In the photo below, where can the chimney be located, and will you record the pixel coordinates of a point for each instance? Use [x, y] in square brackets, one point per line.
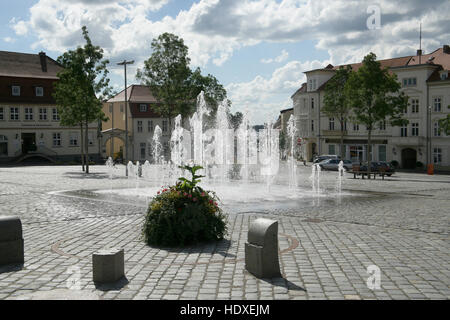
[419, 52]
[446, 48]
[43, 59]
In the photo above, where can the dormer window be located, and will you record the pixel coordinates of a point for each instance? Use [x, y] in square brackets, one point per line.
[444, 75]
[409, 82]
[143, 108]
[16, 91]
[39, 91]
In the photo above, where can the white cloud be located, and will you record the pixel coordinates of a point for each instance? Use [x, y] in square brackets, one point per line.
[282, 57]
[9, 39]
[267, 96]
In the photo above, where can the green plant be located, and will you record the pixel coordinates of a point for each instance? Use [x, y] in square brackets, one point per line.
[184, 214]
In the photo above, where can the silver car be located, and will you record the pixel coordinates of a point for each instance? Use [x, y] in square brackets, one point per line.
[333, 164]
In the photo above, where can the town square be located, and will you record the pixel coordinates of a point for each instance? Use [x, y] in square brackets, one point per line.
[170, 167]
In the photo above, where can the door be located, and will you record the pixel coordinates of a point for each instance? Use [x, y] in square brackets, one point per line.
[28, 142]
[409, 158]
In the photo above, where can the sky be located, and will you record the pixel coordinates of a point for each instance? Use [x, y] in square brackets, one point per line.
[259, 50]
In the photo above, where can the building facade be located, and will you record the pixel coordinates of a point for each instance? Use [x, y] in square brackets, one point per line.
[29, 120]
[142, 122]
[424, 79]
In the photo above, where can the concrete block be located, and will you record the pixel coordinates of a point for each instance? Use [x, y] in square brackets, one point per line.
[261, 250]
[10, 228]
[108, 265]
[11, 241]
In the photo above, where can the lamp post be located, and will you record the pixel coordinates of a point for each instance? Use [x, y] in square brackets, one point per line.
[124, 64]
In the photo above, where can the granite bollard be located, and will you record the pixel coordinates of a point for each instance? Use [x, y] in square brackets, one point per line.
[261, 250]
[108, 265]
[11, 240]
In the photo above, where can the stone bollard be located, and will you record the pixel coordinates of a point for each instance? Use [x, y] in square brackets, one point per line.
[261, 250]
[11, 241]
[108, 265]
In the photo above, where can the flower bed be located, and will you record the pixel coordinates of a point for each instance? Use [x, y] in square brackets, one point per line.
[184, 214]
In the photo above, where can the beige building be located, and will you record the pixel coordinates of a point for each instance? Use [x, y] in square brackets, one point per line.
[29, 121]
[142, 121]
[424, 78]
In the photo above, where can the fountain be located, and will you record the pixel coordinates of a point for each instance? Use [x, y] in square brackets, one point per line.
[242, 166]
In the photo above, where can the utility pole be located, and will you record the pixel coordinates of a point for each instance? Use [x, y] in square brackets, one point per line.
[124, 64]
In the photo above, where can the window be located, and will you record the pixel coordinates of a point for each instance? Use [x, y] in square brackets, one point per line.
[437, 132]
[312, 125]
[39, 91]
[2, 114]
[437, 104]
[121, 108]
[14, 113]
[409, 82]
[355, 127]
[143, 108]
[444, 75]
[28, 113]
[90, 139]
[15, 91]
[331, 123]
[382, 125]
[312, 103]
[73, 139]
[56, 139]
[139, 126]
[382, 153]
[415, 105]
[404, 131]
[42, 113]
[143, 148]
[110, 108]
[437, 155]
[345, 126]
[415, 129]
[310, 85]
[150, 125]
[164, 126]
[3, 145]
[55, 114]
[331, 149]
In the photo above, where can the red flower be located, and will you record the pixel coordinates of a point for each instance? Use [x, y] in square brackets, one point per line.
[203, 194]
[157, 192]
[215, 203]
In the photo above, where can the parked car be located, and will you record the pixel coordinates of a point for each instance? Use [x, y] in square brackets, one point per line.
[325, 157]
[333, 164]
[377, 166]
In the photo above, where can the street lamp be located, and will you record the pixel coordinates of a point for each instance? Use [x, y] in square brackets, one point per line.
[124, 64]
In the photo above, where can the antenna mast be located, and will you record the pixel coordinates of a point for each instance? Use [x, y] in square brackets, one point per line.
[420, 44]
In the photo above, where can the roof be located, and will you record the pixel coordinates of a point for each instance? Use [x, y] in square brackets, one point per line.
[435, 58]
[135, 93]
[26, 65]
[286, 110]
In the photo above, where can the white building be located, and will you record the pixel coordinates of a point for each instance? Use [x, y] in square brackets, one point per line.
[424, 78]
[29, 120]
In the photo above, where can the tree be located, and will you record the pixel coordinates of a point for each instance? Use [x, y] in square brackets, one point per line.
[236, 119]
[373, 94]
[80, 90]
[174, 85]
[444, 124]
[335, 102]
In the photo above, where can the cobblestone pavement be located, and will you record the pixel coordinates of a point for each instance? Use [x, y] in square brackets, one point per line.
[402, 226]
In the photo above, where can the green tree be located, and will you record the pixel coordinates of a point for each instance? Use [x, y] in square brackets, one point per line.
[171, 81]
[235, 119]
[374, 96]
[79, 92]
[444, 124]
[335, 102]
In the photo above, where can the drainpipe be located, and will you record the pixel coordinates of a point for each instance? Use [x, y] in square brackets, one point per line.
[318, 110]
